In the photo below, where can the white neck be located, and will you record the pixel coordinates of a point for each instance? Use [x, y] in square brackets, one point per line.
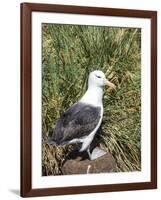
[93, 96]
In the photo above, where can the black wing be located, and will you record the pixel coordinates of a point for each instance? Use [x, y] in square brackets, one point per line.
[78, 121]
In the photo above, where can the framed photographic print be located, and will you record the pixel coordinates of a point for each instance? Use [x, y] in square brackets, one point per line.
[88, 99]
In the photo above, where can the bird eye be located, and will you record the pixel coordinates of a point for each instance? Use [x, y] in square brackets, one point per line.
[98, 76]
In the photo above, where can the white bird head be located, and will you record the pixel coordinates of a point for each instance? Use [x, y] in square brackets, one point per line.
[97, 79]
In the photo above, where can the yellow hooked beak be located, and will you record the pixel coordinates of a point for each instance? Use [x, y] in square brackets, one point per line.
[108, 83]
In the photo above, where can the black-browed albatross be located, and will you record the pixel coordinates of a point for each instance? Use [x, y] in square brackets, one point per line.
[81, 121]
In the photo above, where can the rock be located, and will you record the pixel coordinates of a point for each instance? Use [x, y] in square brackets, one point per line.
[79, 163]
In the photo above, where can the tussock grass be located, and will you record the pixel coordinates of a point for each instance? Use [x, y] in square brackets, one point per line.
[69, 54]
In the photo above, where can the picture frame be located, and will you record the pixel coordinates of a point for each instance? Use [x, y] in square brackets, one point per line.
[27, 10]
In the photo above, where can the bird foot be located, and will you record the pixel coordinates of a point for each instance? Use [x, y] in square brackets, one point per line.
[96, 153]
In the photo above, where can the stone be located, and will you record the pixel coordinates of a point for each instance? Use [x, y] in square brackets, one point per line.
[79, 163]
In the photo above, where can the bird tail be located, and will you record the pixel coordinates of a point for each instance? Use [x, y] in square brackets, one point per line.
[51, 141]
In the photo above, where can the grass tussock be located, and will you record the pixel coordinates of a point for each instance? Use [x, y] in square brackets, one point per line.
[69, 54]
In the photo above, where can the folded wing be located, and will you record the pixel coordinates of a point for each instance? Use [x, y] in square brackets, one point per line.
[78, 121]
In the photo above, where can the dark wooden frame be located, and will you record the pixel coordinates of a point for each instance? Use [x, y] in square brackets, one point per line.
[26, 87]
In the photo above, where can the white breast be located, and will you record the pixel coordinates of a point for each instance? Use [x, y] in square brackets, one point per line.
[86, 141]
[93, 96]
